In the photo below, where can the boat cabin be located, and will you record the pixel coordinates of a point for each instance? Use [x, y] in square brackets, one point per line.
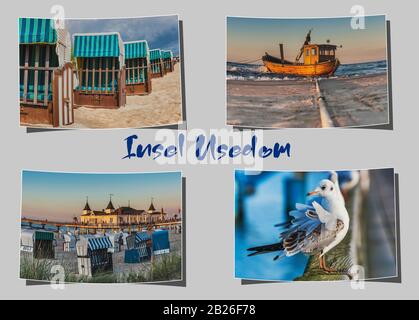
[317, 53]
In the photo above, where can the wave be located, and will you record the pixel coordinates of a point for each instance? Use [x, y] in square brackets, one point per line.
[257, 72]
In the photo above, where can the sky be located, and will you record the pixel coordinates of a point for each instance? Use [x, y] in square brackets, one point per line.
[249, 38]
[160, 32]
[62, 196]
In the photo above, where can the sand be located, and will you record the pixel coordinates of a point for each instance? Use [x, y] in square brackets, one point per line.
[359, 101]
[272, 104]
[121, 269]
[162, 107]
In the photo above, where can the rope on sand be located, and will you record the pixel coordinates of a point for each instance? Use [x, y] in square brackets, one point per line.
[326, 120]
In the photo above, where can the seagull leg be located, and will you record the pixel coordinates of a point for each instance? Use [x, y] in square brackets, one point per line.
[321, 262]
[324, 267]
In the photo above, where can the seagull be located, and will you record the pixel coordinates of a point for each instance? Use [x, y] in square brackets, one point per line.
[316, 228]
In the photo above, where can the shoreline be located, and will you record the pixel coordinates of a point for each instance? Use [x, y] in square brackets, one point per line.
[290, 80]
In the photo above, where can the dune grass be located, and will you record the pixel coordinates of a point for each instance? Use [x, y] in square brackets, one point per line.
[163, 268]
[36, 269]
[169, 267]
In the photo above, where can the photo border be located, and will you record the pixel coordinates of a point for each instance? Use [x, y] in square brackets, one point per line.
[393, 278]
[383, 126]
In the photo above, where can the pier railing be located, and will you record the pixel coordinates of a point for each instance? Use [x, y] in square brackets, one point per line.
[58, 225]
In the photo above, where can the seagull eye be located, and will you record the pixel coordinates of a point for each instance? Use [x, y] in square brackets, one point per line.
[323, 188]
[331, 189]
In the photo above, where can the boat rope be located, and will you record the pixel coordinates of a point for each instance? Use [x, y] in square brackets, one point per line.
[325, 119]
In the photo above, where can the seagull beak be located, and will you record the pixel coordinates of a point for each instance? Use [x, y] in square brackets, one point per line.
[312, 193]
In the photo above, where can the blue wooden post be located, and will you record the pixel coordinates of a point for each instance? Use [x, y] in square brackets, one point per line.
[294, 191]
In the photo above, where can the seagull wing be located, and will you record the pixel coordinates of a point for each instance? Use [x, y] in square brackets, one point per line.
[325, 217]
[334, 177]
[321, 238]
[302, 207]
[265, 249]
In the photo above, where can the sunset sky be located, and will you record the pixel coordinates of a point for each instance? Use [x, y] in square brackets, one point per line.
[249, 38]
[61, 196]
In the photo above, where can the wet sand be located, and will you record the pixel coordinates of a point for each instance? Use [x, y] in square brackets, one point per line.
[359, 101]
[161, 107]
[356, 101]
[273, 104]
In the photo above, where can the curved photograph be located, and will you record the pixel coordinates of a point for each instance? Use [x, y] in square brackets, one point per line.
[316, 226]
[307, 72]
[101, 228]
[100, 73]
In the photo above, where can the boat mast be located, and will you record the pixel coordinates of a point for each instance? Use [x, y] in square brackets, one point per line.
[306, 42]
[281, 50]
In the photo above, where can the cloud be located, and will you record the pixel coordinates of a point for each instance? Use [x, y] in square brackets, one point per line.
[160, 32]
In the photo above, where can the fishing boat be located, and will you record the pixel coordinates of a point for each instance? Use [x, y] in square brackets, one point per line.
[318, 60]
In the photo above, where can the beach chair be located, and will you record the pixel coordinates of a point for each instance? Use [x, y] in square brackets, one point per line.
[100, 70]
[161, 242]
[93, 255]
[137, 62]
[156, 63]
[45, 73]
[168, 61]
[38, 244]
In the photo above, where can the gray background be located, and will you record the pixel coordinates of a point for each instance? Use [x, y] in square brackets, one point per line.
[210, 202]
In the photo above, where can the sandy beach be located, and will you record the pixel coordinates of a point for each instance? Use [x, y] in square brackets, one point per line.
[162, 107]
[121, 270]
[357, 101]
[273, 104]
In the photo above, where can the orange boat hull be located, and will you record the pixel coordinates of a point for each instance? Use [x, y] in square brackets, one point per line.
[327, 68]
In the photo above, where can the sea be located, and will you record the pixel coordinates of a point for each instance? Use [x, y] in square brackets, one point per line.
[62, 230]
[242, 71]
[47, 227]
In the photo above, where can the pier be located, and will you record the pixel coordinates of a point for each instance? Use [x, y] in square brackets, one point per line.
[43, 223]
